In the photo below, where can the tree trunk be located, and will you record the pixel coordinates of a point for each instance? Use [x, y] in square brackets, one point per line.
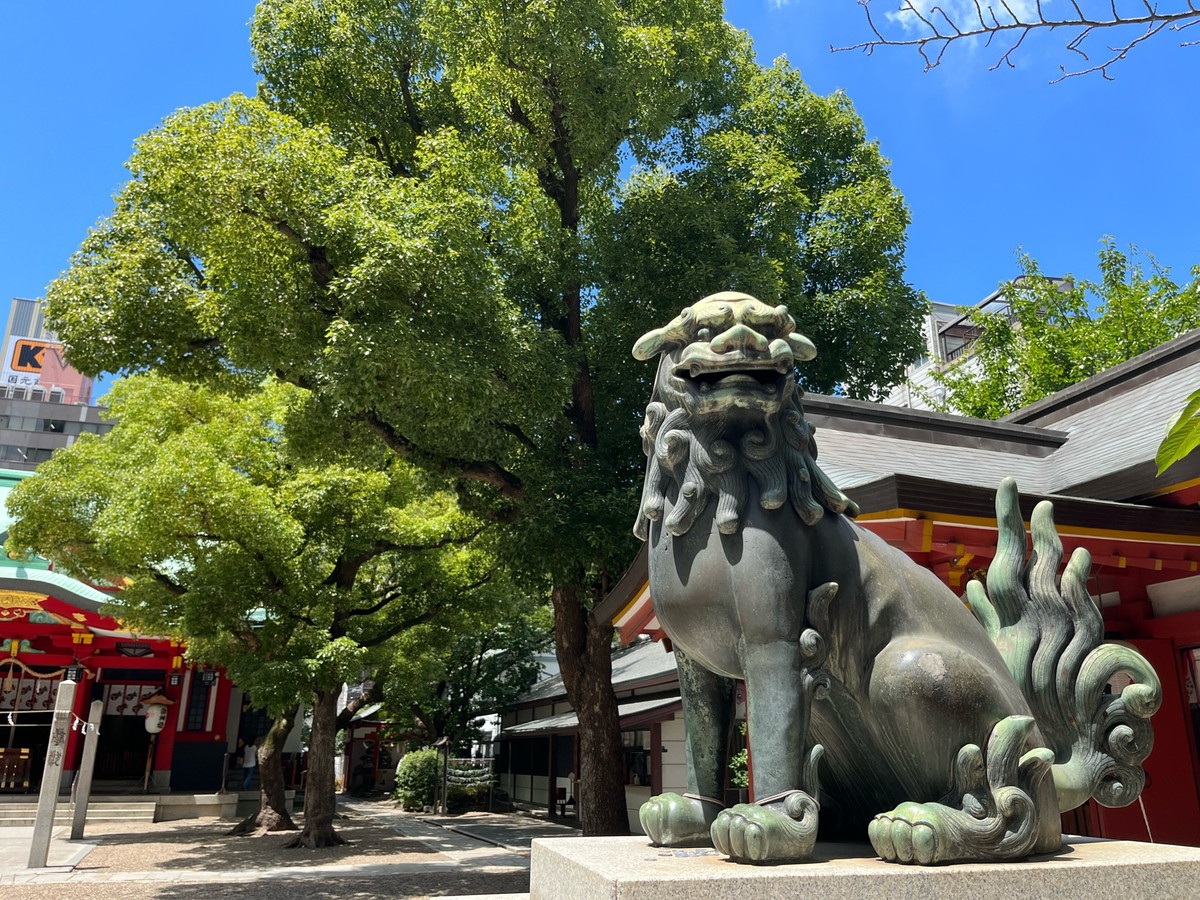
[320, 802]
[583, 645]
[272, 814]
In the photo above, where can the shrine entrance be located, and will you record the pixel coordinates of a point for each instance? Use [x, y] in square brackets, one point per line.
[26, 710]
[121, 753]
[124, 741]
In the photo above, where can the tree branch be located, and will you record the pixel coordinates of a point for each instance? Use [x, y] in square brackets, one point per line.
[323, 271]
[422, 618]
[937, 30]
[411, 114]
[404, 625]
[487, 471]
[364, 698]
[383, 601]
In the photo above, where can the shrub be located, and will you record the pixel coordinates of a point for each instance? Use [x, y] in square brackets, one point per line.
[417, 778]
[464, 797]
[739, 763]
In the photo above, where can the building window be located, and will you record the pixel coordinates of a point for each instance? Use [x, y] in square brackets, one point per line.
[34, 455]
[197, 709]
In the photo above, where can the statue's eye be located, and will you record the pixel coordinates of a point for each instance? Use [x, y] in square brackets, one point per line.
[704, 334]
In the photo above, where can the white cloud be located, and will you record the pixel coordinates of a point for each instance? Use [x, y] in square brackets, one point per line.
[963, 13]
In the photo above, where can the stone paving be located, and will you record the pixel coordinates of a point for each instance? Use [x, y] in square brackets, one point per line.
[475, 844]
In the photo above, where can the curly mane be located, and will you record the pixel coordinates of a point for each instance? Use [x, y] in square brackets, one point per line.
[691, 452]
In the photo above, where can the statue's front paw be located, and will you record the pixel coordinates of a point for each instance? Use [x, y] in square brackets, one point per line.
[931, 833]
[679, 820]
[999, 817]
[907, 834]
[778, 829]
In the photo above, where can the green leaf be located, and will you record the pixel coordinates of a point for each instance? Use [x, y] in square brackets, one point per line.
[1183, 435]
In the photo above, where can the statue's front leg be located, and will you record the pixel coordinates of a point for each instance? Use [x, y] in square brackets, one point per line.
[782, 680]
[684, 820]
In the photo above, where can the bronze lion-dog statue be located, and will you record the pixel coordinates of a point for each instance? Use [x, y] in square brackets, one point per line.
[877, 700]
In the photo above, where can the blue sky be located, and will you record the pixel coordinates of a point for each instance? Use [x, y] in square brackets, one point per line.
[988, 161]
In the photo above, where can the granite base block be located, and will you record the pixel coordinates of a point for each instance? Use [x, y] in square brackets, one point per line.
[628, 868]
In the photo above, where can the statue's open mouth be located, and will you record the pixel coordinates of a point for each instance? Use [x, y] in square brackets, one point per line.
[741, 379]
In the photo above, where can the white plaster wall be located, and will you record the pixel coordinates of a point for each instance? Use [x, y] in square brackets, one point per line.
[294, 742]
[540, 790]
[674, 758]
[635, 796]
[1169, 598]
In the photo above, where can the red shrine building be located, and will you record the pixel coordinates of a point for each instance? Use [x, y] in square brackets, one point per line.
[51, 628]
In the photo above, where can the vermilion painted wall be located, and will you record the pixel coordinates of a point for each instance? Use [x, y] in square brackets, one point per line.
[1170, 797]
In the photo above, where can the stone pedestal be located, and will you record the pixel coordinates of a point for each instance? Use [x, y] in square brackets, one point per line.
[630, 869]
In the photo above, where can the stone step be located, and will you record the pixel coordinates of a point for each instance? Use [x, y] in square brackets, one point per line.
[26, 813]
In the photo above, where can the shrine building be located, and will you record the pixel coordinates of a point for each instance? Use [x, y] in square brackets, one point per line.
[51, 628]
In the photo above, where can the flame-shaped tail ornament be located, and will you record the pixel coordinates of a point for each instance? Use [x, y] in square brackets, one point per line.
[1050, 633]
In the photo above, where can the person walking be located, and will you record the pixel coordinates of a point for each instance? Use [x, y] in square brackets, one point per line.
[249, 763]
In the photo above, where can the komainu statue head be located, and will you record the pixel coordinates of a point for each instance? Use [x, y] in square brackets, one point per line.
[725, 408]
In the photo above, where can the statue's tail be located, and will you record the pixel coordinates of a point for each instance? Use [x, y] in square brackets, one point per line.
[1050, 633]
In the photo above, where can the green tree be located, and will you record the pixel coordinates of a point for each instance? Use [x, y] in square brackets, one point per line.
[1051, 333]
[420, 220]
[782, 197]
[443, 678]
[292, 573]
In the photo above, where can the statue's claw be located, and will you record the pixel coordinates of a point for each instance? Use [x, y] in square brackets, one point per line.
[782, 828]
[679, 820]
[999, 818]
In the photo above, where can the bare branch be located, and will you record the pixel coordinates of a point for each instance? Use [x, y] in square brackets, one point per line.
[933, 30]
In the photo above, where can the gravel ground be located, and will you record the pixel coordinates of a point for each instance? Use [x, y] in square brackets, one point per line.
[411, 887]
[202, 845]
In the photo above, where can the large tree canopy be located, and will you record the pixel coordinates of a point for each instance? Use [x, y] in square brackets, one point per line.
[423, 220]
[294, 574]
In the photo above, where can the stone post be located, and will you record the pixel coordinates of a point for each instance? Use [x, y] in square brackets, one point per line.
[83, 783]
[60, 728]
